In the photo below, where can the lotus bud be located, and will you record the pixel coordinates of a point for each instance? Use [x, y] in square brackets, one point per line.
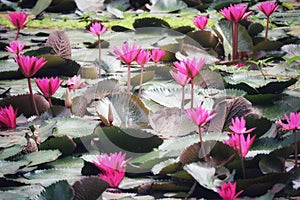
[68, 100]
[110, 115]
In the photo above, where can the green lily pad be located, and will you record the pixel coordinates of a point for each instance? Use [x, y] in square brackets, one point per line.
[12, 195]
[73, 127]
[166, 6]
[10, 167]
[40, 6]
[64, 144]
[49, 176]
[271, 164]
[268, 45]
[40, 157]
[59, 190]
[223, 30]
[11, 151]
[128, 110]
[147, 76]
[166, 167]
[150, 22]
[116, 139]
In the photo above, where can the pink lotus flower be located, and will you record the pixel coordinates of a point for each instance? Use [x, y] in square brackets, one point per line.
[157, 54]
[97, 29]
[293, 122]
[228, 191]
[8, 117]
[74, 83]
[143, 57]
[239, 126]
[127, 53]
[18, 19]
[30, 65]
[235, 12]
[113, 167]
[180, 78]
[268, 7]
[246, 143]
[189, 67]
[15, 47]
[201, 22]
[48, 86]
[199, 115]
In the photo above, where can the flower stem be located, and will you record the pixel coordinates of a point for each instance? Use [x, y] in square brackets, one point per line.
[32, 97]
[235, 32]
[182, 99]
[128, 79]
[242, 159]
[50, 102]
[202, 144]
[141, 82]
[295, 147]
[17, 35]
[192, 93]
[261, 71]
[267, 28]
[100, 63]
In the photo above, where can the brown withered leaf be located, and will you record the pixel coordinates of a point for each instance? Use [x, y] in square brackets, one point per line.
[60, 43]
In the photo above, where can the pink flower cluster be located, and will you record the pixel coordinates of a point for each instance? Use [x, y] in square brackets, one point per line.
[113, 167]
[8, 117]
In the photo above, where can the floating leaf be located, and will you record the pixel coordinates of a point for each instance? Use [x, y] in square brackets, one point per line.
[128, 110]
[11, 138]
[115, 139]
[11, 151]
[150, 22]
[147, 76]
[223, 29]
[279, 108]
[59, 190]
[204, 175]
[12, 195]
[166, 5]
[73, 127]
[90, 6]
[170, 122]
[205, 38]
[57, 66]
[40, 6]
[165, 167]
[10, 167]
[255, 28]
[101, 89]
[268, 45]
[219, 4]
[64, 144]
[89, 188]
[270, 164]
[228, 109]
[40, 157]
[49, 176]
[254, 83]
[192, 50]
